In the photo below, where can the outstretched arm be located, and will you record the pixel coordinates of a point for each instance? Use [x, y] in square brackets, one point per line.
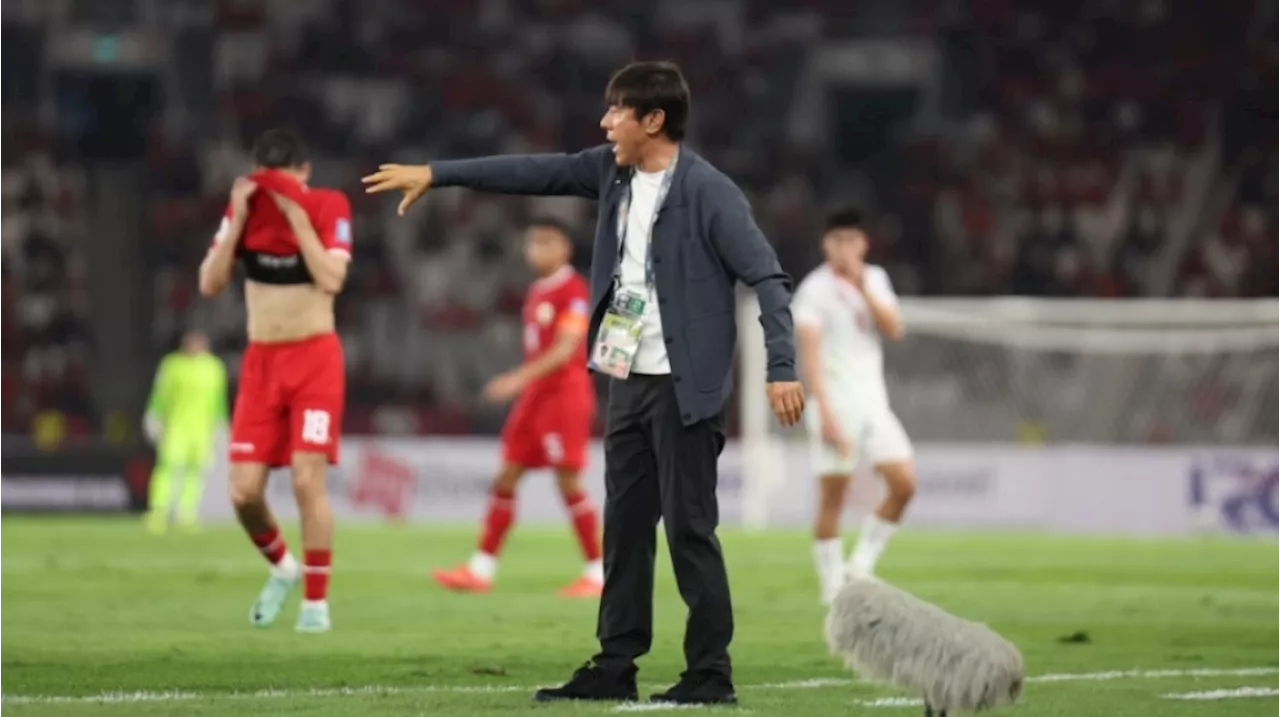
[576, 175]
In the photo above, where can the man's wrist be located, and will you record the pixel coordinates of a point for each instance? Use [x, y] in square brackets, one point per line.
[781, 374]
[444, 172]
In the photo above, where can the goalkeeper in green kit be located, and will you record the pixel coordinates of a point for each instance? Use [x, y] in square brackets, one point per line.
[185, 414]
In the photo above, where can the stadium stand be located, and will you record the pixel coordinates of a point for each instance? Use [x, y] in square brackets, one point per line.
[45, 333]
[1046, 163]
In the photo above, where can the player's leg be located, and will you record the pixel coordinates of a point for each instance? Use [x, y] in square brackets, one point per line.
[160, 490]
[828, 544]
[833, 471]
[196, 468]
[248, 487]
[309, 473]
[586, 526]
[259, 435]
[315, 420]
[565, 441]
[889, 450]
[520, 451]
[479, 572]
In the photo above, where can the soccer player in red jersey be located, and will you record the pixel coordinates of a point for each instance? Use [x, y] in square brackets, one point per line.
[550, 423]
[295, 244]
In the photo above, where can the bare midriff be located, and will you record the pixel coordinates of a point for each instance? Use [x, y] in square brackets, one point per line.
[280, 313]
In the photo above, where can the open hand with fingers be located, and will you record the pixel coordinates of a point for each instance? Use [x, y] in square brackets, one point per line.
[786, 398]
[412, 179]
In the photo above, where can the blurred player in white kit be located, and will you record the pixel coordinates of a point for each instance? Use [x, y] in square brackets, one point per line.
[843, 310]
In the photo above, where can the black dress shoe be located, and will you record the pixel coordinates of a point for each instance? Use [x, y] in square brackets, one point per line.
[699, 689]
[591, 682]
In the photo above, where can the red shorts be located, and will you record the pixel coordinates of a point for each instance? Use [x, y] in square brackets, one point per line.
[290, 398]
[550, 430]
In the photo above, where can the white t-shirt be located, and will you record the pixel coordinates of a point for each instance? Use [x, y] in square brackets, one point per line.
[651, 357]
[851, 353]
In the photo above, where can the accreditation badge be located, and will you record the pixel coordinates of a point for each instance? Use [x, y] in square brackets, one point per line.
[618, 339]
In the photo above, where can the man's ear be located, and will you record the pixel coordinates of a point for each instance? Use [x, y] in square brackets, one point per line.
[654, 122]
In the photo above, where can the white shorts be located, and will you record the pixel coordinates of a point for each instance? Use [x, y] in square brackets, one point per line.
[875, 438]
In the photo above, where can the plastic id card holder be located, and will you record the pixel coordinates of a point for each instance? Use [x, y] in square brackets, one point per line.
[619, 337]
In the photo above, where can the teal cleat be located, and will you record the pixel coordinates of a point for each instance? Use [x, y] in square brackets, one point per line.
[267, 607]
[314, 617]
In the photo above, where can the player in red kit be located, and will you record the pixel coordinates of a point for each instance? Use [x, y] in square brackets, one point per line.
[550, 424]
[295, 244]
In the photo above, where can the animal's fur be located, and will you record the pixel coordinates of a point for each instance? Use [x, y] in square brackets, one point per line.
[888, 635]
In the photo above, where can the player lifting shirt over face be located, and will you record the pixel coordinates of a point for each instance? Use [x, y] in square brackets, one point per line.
[294, 242]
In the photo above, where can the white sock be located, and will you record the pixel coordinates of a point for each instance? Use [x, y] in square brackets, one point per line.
[316, 605]
[828, 558]
[594, 571]
[484, 565]
[287, 568]
[872, 540]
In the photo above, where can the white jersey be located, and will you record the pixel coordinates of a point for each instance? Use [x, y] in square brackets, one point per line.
[851, 354]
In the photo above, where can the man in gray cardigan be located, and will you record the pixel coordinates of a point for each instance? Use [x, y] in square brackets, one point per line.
[673, 237]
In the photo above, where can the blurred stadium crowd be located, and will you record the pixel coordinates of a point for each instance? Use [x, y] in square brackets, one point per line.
[1099, 148]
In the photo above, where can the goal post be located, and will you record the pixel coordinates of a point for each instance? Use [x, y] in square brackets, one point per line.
[1028, 370]
[762, 448]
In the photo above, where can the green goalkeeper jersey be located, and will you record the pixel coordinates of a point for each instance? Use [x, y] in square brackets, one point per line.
[189, 394]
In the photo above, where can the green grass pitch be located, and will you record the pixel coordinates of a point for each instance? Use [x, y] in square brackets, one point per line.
[102, 619]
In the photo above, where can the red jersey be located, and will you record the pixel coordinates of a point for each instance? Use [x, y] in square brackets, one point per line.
[266, 231]
[559, 300]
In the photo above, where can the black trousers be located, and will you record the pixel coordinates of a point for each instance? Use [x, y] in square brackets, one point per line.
[657, 467]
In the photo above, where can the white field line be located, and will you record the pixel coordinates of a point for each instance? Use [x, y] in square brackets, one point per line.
[820, 683]
[1231, 694]
[663, 707]
[1153, 674]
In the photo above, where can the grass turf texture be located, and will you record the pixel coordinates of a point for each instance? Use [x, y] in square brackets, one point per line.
[95, 606]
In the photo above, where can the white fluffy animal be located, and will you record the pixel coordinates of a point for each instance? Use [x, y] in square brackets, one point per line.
[890, 636]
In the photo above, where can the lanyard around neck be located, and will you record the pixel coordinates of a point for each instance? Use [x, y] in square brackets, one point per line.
[624, 210]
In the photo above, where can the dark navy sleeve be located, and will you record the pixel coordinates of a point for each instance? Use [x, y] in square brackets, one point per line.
[576, 175]
[745, 250]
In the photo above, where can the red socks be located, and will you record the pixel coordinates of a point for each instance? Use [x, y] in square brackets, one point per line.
[497, 521]
[315, 563]
[271, 544]
[315, 574]
[586, 523]
[501, 514]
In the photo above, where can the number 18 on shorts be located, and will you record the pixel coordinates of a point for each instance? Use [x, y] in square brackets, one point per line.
[290, 399]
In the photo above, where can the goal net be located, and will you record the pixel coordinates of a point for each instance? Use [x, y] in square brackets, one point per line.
[1005, 370]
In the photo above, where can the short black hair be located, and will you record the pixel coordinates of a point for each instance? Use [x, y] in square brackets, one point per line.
[649, 86]
[844, 218]
[279, 149]
[550, 222]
